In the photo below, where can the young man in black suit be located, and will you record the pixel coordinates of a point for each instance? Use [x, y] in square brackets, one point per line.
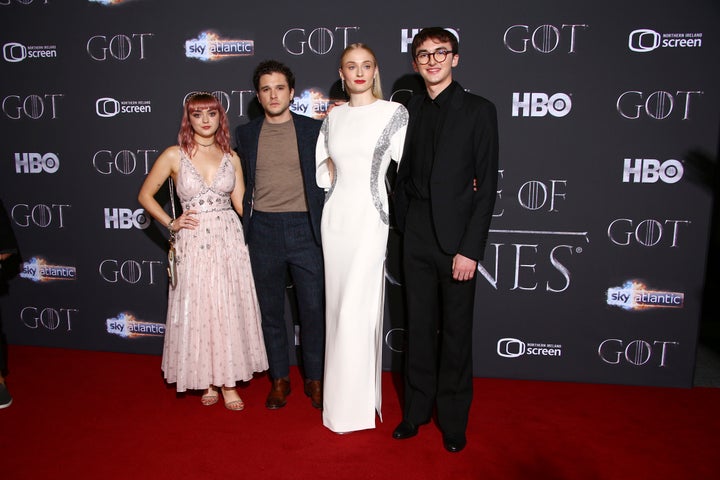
[444, 197]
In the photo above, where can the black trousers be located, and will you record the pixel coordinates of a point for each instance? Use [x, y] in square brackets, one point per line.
[438, 369]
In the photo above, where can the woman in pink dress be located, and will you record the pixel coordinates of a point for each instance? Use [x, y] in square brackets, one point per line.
[213, 337]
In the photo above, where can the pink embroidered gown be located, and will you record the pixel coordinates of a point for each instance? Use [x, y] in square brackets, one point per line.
[213, 334]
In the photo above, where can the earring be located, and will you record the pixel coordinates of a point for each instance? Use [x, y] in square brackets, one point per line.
[342, 84]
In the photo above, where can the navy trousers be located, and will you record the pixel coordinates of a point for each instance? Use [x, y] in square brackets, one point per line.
[278, 243]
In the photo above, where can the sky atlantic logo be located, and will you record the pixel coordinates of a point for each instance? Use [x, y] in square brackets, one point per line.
[311, 103]
[633, 295]
[39, 270]
[14, 52]
[407, 35]
[126, 325]
[110, 3]
[650, 170]
[108, 107]
[36, 163]
[514, 348]
[541, 104]
[209, 46]
[645, 40]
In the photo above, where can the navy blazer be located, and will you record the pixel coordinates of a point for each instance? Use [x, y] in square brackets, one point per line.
[466, 150]
[307, 131]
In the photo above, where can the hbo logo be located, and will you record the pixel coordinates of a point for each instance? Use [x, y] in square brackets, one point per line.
[36, 163]
[540, 104]
[649, 170]
[125, 219]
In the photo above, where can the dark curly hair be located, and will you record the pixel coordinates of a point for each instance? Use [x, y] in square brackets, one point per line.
[273, 66]
[435, 33]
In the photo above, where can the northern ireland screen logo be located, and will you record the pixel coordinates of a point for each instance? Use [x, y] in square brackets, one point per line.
[644, 40]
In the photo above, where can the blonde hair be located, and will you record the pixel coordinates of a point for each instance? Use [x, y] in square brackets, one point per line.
[376, 87]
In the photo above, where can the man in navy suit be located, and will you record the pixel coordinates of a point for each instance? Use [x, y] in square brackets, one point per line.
[444, 198]
[282, 208]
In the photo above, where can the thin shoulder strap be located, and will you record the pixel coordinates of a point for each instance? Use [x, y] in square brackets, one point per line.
[172, 196]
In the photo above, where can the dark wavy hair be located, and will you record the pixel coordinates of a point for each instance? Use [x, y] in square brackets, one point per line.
[273, 66]
[434, 33]
[203, 101]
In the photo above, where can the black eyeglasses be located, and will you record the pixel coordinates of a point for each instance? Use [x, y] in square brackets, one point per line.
[439, 55]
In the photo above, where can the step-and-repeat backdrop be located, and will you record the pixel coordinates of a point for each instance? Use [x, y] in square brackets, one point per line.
[608, 119]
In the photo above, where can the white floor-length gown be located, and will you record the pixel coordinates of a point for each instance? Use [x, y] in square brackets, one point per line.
[361, 142]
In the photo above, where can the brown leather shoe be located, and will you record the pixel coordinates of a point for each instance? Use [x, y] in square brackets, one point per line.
[313, 389]
[277, 398]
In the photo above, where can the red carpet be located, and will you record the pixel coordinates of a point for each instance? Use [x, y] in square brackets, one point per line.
[80, 414]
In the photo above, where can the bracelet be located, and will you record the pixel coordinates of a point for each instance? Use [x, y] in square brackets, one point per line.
[170, 225]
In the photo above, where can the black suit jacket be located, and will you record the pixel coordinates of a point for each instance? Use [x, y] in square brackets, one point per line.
[466, 150]
[246, 141]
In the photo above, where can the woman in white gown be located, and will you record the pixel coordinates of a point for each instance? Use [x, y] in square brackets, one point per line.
[356, 144]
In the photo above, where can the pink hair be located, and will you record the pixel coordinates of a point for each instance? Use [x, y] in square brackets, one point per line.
[197, 102]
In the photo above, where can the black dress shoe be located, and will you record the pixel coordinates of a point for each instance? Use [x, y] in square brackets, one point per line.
[454, 443]
[405, 430]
